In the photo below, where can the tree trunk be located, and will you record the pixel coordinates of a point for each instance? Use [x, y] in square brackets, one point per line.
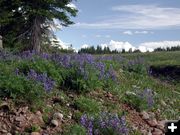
[36, 34]
[1, 42]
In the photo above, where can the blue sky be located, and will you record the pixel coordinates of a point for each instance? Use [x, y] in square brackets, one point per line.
[144, 24]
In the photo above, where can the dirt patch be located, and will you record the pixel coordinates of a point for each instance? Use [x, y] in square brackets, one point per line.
[169, 73]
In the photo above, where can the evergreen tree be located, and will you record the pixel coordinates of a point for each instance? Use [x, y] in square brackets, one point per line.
[32, 19]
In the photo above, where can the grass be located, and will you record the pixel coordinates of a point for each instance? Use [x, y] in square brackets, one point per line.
[92, 99]
[87, 105]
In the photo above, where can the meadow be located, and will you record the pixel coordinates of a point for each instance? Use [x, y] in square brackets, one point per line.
[79, 94]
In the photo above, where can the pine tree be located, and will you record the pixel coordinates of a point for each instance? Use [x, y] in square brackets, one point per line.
[32, 19]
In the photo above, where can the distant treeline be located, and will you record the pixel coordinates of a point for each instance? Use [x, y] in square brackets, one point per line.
[106, 50]
[98, 50]
[174, 48]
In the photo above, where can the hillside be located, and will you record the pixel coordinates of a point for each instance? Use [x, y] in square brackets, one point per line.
[79, 94]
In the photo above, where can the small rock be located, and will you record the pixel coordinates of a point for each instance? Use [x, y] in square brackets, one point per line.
[39, 113]
[25, 109]
[134, 128]
[157, 132]
[4, 131]
[101, 100]
[145, 115]
[68, 104]
[71, 96]
[152, 115]
[58, 115]
[69, 117]
[109, 95]
[163, 103]
[144, 132]
[54, 123]
[129, 93]
[171, 103]
[35, 133]
[4, 106]
[9, 134]
[161, 125]
[152, 123]
[149, 133]
[1, 114]
[4, 126]
[20, 118]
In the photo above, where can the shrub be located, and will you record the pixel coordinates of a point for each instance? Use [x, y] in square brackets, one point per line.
[140, 100]
[137, 66]
[20, 88]
[76, 130]
[88, 105]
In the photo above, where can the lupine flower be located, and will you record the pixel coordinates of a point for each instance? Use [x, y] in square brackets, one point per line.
[47, 82]
[147, 94]
[103, 123]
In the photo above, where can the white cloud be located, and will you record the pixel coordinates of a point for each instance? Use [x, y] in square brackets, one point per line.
[142, 32]
[85, 46]
[107, 36]
[60, 44]
[71, 5]
[162, 44]
[118, 45]
[138, 17]
[143, 47]
[84, 36]
[128, 32]
[98, 36]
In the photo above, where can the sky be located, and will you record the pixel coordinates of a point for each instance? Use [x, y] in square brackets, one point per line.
[141, 24]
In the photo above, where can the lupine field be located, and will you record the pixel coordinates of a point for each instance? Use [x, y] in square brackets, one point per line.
[90, 94]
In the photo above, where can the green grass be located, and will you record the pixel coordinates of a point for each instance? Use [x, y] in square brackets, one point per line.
[88, 105]
[158, 58]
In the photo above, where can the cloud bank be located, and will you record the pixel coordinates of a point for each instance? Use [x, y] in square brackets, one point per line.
[143, 47]
[137, 17]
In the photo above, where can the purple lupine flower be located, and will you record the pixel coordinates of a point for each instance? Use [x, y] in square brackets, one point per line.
[17, 71]
[83, 120]
[147, 95]
[47, 82]
[103, 123]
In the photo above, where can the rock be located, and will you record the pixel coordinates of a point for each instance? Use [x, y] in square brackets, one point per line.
[71, 96]
[67, 104]
[149, 133]
[161, 125]
[145, 115]
[152, 115]
[35, 133]
[36, 119]
[152, 123]
[20, 118]
[9, 134]
[1, 113]
[4, 126]
[134, 127]
[4, 106]
[39, 113]
[144, 132]
[54, 123]
[101, 100]
[58, 116]
[69, 117]
[25, 109]
[163, 103]
[109, 95]
[4, 131]
[129, 93]
[157, 132]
